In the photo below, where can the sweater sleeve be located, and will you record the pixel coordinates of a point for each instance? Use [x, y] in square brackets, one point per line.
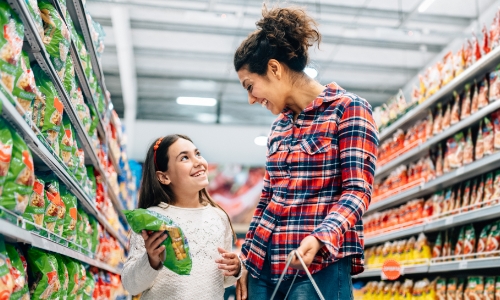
[137, 274]
[228, 246]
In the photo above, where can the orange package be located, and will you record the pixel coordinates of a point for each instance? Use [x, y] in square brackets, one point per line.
[438, 120]
[486, 47]
[428, 208]
[455, 151]
[488, 188]
[496, 189]
[446, 118]
[488, 137]
[468, 54]
[428, 172]
[459, 247]
[459, 62]
[469, 240]
[473, 195]
[496, 129]
[468, 149]
[429, 125]
[475, 100]
[479, 194]
[447, 70]
[476, 49]
[495, 85]
[458, 200]
[449, 201]
[483, 93]
[455, 111]
[466, 195]
[483, 239]
[439, 161]
[438, 247]
[466, 103]
[479, 150]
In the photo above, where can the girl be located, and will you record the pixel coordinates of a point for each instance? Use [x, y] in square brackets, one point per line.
[320, 166]
[173, 184]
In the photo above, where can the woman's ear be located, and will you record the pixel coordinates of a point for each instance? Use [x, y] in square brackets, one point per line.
[274, 68]
[162, 178]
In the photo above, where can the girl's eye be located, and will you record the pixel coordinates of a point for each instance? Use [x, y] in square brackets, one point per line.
[184, 158]
[249, 88]
[198, 154]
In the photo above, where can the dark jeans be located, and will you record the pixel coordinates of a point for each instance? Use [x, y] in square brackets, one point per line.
[334, 283]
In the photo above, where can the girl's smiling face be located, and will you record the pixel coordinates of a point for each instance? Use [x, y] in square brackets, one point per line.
[187, 169]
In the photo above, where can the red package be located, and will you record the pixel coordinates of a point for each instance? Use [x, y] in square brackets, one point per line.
[479, 150]
[496, 129]
[438, 247]
[468, 149]
[455, 110]
[488, 137]
[458, 200]
[486, 47]
[459, 247]
[466, 196]
[495, 85]
[428, 208]
[446, 118]
[439, 161]
[428, 171]
[493, 242]
[468, 54]
[475, 100]
[495, 31]
[483, 93]
[469, 240]
[466, 103]
[488, 188]
[483, 240]
[476, 49]
[438, 120]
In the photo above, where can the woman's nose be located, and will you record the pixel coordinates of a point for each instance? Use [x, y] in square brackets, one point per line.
[251, 99]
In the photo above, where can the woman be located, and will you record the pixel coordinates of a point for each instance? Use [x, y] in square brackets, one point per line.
[320, 166]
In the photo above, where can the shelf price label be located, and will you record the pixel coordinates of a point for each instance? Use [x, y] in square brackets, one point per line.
[462, 265]
[391, 269]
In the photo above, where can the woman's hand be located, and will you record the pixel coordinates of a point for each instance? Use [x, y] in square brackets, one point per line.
[307, 250]
[229, 263]
[242, 285]
[156, 253]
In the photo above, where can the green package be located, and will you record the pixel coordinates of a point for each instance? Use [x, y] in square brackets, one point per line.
[55, 210]
[85, 234]
[66, 147]
[483, 240]
[73, 274]
[5, 272]
[11, 43]
[20, 179]
[25, 89]
[35, 14]
[93, 181]
[475, 287]
[88, 291]
[47, 112]
[95, 120]
[178, 258]
[82, 280]
[57, 37]
[6, 145]
[44, 276]
[69, 76]
[95, 233]
[21, 290]
[62, 272]
[70, 203]
[35, 211]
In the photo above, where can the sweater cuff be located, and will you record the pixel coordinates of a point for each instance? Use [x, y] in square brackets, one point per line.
[241, 269]
[146, 270]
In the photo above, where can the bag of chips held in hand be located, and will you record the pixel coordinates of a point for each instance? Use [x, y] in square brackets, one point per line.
[178, 258]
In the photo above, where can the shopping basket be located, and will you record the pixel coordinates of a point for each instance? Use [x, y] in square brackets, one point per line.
[290, 257]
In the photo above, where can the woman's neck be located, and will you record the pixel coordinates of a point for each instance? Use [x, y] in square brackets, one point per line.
[187, 200]
[303, 93]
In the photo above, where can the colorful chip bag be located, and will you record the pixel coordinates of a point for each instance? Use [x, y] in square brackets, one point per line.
[475, 100]
[70, 219]
[468, 149]
[67, 149]
[483, 240]
[488, 136]
[88, 290]
[54, 204]
[73, 275]
[11, 43]
[5, 152]
[35, 14]
[469, 240]
[21, 290]
[466, 103]
[483, 94]
[455, 110]
[25, 89]
[7, 284]
[489, 288]
[62, 272]
[44, 273]
[493, 242]
[35, 210]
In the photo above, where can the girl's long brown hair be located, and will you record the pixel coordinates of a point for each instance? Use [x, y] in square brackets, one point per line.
[152, 192]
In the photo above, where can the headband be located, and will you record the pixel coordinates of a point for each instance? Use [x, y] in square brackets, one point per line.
[158, 142]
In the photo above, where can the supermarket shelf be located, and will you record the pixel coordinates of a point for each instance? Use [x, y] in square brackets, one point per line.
[485, 64]
[481, 166]
[468, 264]
[77, 13]
[422, 150]
[116, 202]
[394, 235]
[15, 233]
[483, 214]
[100, 217]
[114, 160]
[410, 269]
[369, 273]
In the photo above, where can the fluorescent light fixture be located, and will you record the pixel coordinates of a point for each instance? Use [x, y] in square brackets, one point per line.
[260, 140]
[424, 5]
[196, 101]
[311, 72]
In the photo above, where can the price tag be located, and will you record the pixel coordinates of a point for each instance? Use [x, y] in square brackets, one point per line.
[460, 171]
[448, 220]
[462, 265]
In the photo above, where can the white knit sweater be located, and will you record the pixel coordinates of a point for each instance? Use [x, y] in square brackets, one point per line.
[206, 229]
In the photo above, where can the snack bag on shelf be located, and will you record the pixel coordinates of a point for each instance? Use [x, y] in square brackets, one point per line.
[495, 85]
[466, 195]
[495, 31]
[489, 288]
[475, 288]
[438, 120]
[440, 289]
[35, 210]
[34, 11]
[459, 247]
[53, 203]
[438, 247]
[488, 137]
[468, 149]
[455, 110]
[482, 99]
[469, 240]
[20, 178]
[73, 275]
[455, 151]
[451, 288]
[468, 54]
[488, 188]
[446, 245]
[7, 284]
[70, 203]
[439, 161]
[6, 145]
[82, 280]
[460, 289]
[25, 89]
[493, 241]
[176, 246]
[44, 273]
[496, 189]
[20, 291]
[475, 99]
[449, 201]
[476, 49]
[422, 247]
[479, 150]
[11, 43]
[446, 118]
[88, 291]
[458, 200]
[57, 37]
[434, 79]
[497, 288]
[479, 193]
[485, 47]
[48, 109]
[95, 233]
[459, 62]
[62, 272]
[69, 80]
[496, 129]
[66, 144]
[447, 73]
[483, 240]
[466, 102]
[429, 125]
[85, 234]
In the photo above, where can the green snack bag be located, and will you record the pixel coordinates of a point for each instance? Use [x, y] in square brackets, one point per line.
[88, 291]
[44, 273]
[35, 14]
[57, 37]
[54, 207]
[70, 203]
[85, 235]
[20, 179]
[95, 233]
[48, 114]
[21, 290]
[94, 122]
[82, 280]
[66, 140]
[69, 76]
[25, 89]
[178, 258]
[62, 272]
[483, 239]
[35, 211]
[5, 271]
[73, 275]
[11, 43]
[6, 145]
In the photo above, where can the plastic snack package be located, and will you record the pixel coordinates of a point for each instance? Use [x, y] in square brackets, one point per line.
[489, 288]
[6, 145]
[446, 118]
[7, 283]
[11, 43]
[475, 288]
[62, 272]
[459, 62]
[422, 247]
[66, 139]
[178, 258]
[476, 49]
[20, 178]
[458, 200]
[73, 275]
[69, 79]
[54, 206]
[438, 120]
[455, 150]
[496, 129]
[451, 288]
[429, 125]
[497, 288]
[483, 240]
[35, 210]
[495, 85]
[469, 240]
[25, 89]
[455, 110]
[447, 73]
[488, 136]
[488, 189]
[449, 201]
[483, 100]
[475, 100]
[82, 280]
[466, 103]
[439, 161]
[88, 290]
[70, 203]
[459, 247]
[496, 189]
[485, 47]
[468, 149]
[493, 241]
[479, 193]
[57, 37]
[479, 150]
[495, 31]
[48, 111]
[438, 247]
[34, 11]
[44, 271]
[441, 289]
[19, 277]
[460, 289]
[466, 195]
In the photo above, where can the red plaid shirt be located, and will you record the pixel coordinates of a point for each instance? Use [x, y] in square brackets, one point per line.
[318, 181]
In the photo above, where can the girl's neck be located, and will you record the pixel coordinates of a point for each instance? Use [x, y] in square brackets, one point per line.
[303, 94]
[187, 200]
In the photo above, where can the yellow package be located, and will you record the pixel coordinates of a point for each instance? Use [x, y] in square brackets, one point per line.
[410, 250]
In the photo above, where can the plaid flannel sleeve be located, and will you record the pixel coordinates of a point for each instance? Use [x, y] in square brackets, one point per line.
[263, 202]
[358, 142]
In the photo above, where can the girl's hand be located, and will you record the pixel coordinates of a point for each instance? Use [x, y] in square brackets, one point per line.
[242, 285]
[156, 253]
[307, 250]
[229, 263]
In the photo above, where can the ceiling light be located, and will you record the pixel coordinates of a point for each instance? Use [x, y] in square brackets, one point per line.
[424, 5]
[196, 101]
[410, 33]
[260, 140]
[311, 72]
[223, 16]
